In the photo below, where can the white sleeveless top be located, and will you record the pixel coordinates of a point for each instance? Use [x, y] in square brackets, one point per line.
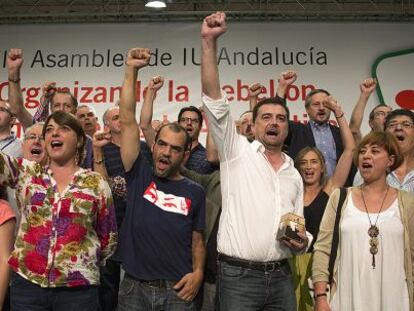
[360, 287]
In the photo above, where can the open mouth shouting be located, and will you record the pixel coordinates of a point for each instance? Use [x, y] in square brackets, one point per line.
[56, 144]
[163, 164]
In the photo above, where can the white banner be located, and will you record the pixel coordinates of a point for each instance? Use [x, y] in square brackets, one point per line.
[89, 60]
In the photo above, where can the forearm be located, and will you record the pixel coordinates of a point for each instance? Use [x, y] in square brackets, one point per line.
[146, 117]
[252, 102]
[198, 252]
[147, 110]
[209, 71]
[358, 114]
[348, 141]
[128, 96]
[99, 163]
[16, 99]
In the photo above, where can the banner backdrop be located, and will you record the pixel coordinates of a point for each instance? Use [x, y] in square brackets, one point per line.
[89, 60]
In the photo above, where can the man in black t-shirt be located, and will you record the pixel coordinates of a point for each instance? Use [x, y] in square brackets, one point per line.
[161, 243]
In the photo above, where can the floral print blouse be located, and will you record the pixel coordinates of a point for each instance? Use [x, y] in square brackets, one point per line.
[63, 238]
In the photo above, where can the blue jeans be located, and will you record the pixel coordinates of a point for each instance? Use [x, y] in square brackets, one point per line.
[245, 289]
[27, 296]
[137, 296]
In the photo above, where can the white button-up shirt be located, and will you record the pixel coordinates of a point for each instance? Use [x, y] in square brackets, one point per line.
[255, 196]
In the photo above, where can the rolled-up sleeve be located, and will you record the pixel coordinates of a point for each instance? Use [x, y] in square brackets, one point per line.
[222, 128]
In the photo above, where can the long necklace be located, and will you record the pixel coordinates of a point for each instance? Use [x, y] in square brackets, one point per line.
[373, 230]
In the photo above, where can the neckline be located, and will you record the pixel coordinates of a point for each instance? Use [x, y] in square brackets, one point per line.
[384, 210]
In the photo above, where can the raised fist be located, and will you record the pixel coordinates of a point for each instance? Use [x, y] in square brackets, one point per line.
[101, 138]
[138, 57]
[15, 59]
[368, 86]
[255, 90]
[156, 83]
[214, 25]
[287, 78]
[48, 89]
[332, 104]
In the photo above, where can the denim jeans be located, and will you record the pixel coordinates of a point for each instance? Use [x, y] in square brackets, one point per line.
[137, 296]
[209, 297]
[245, 289]
[108, 291]
[27, 296]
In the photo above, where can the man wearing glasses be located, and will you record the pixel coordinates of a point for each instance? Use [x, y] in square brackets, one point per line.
[191, 119]
[400, 123]
[9, 144]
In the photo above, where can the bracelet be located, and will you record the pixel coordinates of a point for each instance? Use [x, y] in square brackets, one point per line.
[98, 161]
[320, 295]
[15, 80]
[338, 117]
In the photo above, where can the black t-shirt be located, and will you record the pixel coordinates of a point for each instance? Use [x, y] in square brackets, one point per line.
[313, 215]
[156, 235]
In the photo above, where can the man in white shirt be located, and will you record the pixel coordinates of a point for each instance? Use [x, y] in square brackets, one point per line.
[259, 185]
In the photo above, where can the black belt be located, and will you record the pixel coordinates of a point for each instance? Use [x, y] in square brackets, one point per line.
[152, 283]
[267, 266]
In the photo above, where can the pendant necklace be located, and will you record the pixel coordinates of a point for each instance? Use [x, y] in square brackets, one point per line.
[373, 230]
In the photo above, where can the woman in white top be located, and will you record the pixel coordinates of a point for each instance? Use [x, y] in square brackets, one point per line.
[373, 268]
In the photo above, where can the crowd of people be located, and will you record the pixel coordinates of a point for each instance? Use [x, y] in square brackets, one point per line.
[95, 219]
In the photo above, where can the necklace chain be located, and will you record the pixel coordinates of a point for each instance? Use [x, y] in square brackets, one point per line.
[373, 230]
[366, 209]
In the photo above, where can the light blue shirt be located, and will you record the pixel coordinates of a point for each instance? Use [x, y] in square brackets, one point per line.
[325, 142]
[12, 146]
[407, 184]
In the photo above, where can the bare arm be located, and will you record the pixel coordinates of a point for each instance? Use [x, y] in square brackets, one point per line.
[286, 79]
[343, 167]
[14, 65]
[213, 26]
[6, 245]
[147, 109]
[254, 91]
[366, 87]
[321, 302]
[189, 285]
[130, 144]
[99, 140]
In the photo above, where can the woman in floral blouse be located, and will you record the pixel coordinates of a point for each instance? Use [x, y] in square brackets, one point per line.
[67, 228]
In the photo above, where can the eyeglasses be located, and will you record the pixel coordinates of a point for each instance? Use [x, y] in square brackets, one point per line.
[34, 137]
[405, 125]
[186, 120]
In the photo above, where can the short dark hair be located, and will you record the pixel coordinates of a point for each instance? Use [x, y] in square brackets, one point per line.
[385, 140]
[308, 98]
[176, 128]
[64, 118]
[270, 101]
[372, 113]
[399, 112]
[66, 92]
[193, 109]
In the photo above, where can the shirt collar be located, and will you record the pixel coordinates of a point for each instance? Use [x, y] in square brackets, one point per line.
[258, 147]
[319, 126]
[8, 138]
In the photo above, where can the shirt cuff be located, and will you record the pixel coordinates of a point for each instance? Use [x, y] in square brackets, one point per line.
[217, 107]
